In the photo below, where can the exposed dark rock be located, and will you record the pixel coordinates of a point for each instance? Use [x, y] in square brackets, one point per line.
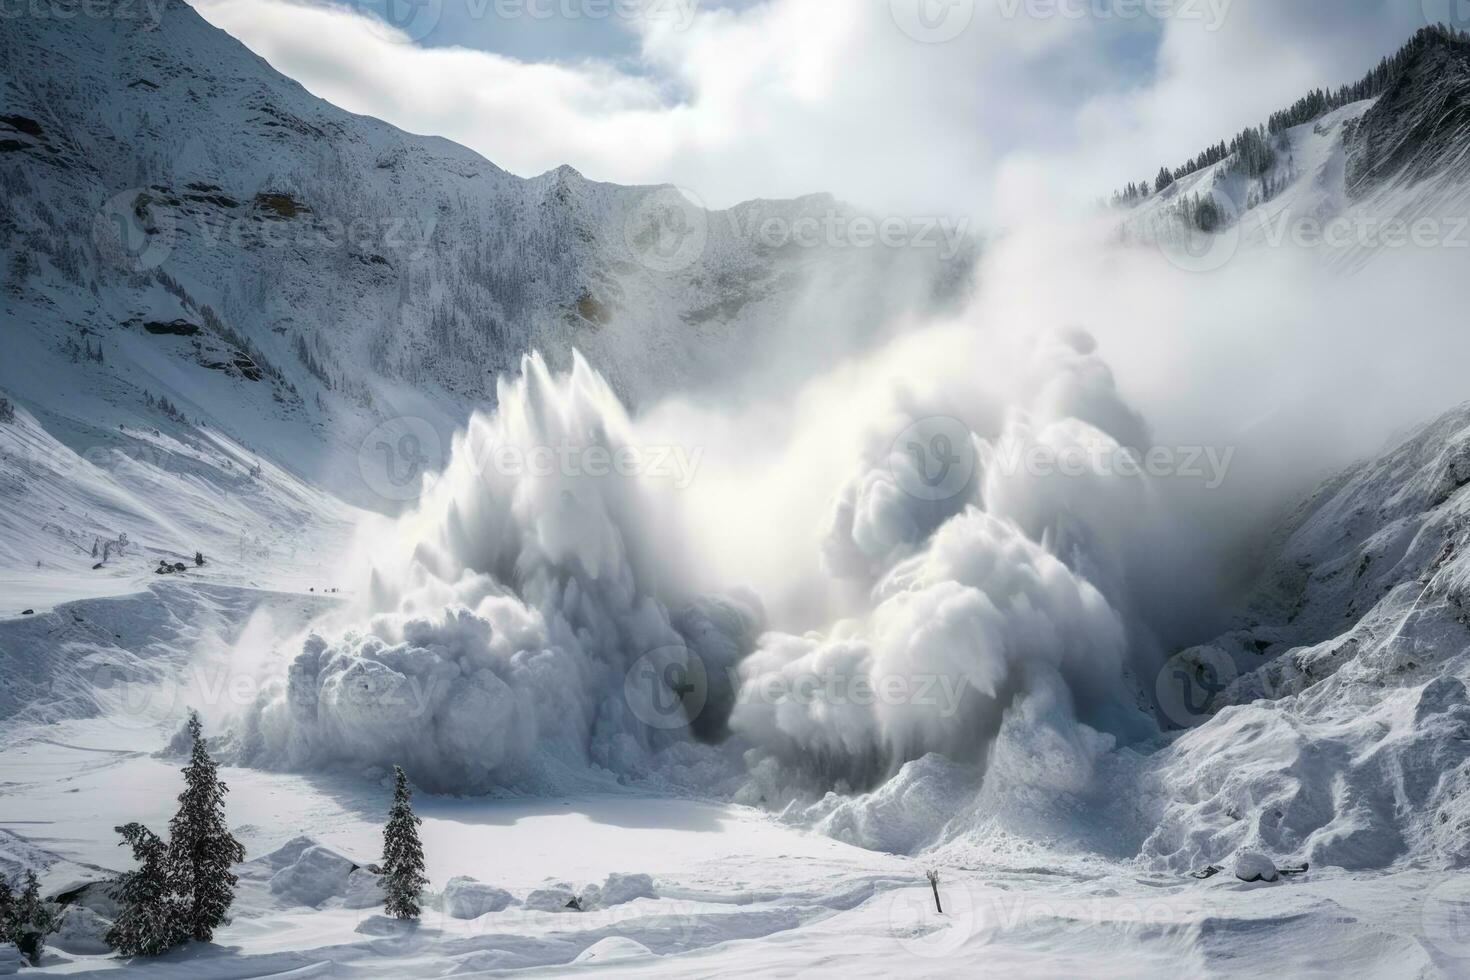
[176, 328]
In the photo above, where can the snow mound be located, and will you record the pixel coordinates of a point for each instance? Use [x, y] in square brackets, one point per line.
[554, 898]
[80, 931]
[308, 873]
[618, 889]
[1251, 866]
[612, 948]
[904, 815]
[11, 961]
[466, 898]
[364, 890]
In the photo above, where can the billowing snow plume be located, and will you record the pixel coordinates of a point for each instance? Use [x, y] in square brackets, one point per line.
[513, 618]
[531, 619]
[999, 582]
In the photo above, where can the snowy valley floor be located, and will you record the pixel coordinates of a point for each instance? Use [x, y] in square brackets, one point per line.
[736, 892]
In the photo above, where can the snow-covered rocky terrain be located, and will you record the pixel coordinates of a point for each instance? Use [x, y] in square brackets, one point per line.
[733, 673]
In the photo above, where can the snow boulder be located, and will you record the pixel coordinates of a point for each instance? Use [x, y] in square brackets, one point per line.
[618, 889]
[612, 948]
[364, 890]
[316, 875]
[80, 931]
[466, 898]
[93, 895]
[553, 898]
[1252, 866]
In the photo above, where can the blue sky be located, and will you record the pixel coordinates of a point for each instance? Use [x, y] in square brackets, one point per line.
[973, 106]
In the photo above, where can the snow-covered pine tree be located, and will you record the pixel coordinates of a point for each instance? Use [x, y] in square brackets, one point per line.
[403, 855]
[201, 848]
[7, 906]
[29, 921]
[151, 920]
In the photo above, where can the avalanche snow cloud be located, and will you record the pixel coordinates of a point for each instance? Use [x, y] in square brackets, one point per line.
[527, 626]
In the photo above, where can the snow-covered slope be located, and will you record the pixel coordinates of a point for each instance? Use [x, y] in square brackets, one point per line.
[1341, 729]
[217, 287]
[1356, 179]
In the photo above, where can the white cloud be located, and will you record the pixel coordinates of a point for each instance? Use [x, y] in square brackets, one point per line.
[793, 96]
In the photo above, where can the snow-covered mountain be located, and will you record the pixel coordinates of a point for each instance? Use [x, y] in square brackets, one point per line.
[225, 299]
[1358, 176]
[217, 285]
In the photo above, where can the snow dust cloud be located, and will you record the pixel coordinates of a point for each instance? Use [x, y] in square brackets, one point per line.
[946, 543]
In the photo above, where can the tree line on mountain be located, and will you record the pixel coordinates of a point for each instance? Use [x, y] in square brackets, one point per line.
[1252, 147]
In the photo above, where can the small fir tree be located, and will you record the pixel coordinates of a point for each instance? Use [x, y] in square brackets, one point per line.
[201, 848]
[151, 920]
[403, 855]
[28, 921]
